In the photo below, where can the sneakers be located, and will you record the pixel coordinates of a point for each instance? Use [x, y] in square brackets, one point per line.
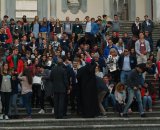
[52, 110]
[41, 111]
[121, 114]
[4, 117]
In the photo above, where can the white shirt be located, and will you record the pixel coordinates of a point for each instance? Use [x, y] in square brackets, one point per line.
[126, 64]
[88, 27]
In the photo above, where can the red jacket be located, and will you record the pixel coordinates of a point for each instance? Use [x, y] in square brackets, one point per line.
[20, 65]
[9, 40]
[158, 67]
[153, 94]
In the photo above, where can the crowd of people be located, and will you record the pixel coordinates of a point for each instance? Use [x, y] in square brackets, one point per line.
[87, 65]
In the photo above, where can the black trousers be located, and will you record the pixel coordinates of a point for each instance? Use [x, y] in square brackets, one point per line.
[59, 104]
[5, 99]
[36, 92]
[119, 107]
[75, 98]
[43, 99]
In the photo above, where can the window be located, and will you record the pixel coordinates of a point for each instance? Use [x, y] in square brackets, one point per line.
[26, 7]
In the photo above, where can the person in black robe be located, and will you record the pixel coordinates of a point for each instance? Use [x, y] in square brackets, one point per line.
[88, 90]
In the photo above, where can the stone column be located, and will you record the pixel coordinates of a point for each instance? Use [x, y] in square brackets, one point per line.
[132, 9]
[156, 11]
[10, 8]
[49, 9]
[148, 8]
[3, 8]
[42, 8]
[106, 7]
[53, 8]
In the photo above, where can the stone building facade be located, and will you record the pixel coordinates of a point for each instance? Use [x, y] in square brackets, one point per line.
[126, 9]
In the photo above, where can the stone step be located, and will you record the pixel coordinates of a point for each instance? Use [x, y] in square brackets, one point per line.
[73, 115]
[88, 127]
[156, 107]
[78, 122]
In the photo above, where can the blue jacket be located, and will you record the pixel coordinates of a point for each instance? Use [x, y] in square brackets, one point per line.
[94, 28]
[107, 50]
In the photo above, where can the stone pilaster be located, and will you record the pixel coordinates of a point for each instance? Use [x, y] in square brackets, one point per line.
[148, 8]
[42, 8]
[53, 8]
[132, 9]
[107, 7]
[10, 8]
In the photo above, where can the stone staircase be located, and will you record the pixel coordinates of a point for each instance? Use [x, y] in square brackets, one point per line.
[73, 122]
[126, 27]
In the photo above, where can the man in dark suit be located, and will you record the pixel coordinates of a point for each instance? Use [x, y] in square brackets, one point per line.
[60, 83]
[126, 63]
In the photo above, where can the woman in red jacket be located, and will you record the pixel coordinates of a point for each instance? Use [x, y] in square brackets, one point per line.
[147, 93]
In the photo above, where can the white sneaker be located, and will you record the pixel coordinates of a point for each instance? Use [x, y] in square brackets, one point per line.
[41, 111]
[52, 110]
[6, 117]
[1, 117]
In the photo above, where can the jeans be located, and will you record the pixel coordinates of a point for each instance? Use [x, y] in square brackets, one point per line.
[101, 96]
[147, 100]
[27, 102]
[13, 105]
[124, 75]
[110, 97]
[131, 94]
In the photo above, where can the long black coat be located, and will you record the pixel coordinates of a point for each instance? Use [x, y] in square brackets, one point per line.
[59, 79]
[88, 90]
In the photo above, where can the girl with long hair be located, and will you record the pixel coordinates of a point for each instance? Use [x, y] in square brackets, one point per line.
[26, 83]
[5, 90]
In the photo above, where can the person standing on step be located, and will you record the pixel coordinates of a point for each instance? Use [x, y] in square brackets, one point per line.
[67, 27]
[116, 25]
[134, 83]
[142, 48]
[26, 82]
[60, 84]
[136, 27]
[147, 25]
[5, 90]
[88, 89]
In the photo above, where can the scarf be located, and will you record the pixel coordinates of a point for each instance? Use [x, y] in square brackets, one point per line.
[137, 25]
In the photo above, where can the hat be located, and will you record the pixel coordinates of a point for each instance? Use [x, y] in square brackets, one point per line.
[88, 60]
